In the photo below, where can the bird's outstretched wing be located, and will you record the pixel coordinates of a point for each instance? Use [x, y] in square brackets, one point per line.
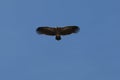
[69, 30]
[46, 30]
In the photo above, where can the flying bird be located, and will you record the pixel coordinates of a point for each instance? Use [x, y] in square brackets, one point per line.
[58, 31]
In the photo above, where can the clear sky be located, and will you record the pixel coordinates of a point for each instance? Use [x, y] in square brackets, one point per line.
[92, 54]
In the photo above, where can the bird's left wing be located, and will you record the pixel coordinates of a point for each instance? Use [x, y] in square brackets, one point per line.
[46, 30]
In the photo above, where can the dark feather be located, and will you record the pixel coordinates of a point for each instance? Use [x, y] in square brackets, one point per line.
[69, 30]
[58, 31]
[46, 30]
[58, 37]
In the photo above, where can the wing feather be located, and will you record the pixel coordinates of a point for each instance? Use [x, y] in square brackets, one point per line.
[46, 30]
[69, 30]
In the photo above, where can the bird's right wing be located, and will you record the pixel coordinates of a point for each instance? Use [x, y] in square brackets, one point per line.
[46, 30]
[69, 30]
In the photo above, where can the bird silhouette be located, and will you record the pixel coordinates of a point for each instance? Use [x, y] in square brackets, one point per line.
[57, 31]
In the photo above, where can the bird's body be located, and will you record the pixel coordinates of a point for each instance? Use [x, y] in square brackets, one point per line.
[58, 31]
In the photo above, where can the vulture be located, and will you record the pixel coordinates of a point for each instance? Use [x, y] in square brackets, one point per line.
[57, 31]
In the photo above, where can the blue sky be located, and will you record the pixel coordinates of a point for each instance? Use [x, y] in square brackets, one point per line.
[92, 54]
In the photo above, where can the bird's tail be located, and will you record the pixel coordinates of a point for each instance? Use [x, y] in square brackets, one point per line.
[58, 37]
